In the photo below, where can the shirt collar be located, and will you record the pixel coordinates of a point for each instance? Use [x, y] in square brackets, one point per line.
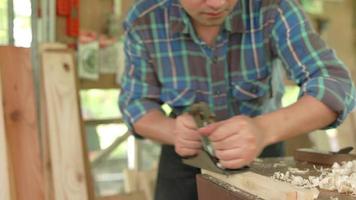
[234, 22]
[180, 21]
[178, 18]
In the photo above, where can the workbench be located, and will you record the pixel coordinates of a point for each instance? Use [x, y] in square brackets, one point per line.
[210, 188]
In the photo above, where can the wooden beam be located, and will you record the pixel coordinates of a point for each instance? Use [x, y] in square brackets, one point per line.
[70, 174]
[209, 190]
[105, 81]
[94, 122]
[46, 152]
[5, 192]
[131, 196]
[21, 122]
[107, 152]
[265, 187]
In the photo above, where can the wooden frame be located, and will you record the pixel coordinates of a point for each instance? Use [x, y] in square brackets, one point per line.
[5, 189]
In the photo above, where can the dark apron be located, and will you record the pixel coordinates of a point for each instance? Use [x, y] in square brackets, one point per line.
[176, 181]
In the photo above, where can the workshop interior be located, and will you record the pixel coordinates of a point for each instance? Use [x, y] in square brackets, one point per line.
[64, 137]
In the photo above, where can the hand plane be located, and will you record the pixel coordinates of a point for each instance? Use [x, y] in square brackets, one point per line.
[206, 158]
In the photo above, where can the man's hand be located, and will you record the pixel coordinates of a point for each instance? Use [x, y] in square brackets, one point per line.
[237, 141]
[187, 139]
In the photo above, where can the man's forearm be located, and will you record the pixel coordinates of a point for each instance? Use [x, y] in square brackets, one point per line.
[306, 115]
[156, 126]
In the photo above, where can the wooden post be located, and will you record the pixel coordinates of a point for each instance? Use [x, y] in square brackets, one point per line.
[5, 192]
[70, 175]
[21, 123]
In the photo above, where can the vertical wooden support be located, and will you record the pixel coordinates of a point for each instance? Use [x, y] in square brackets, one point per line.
[70, 175]
[21, 123]
[5, 192]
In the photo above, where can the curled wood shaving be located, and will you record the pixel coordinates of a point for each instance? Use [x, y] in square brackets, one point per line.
[341, 178]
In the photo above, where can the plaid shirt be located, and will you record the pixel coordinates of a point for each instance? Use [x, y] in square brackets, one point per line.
[166, 62]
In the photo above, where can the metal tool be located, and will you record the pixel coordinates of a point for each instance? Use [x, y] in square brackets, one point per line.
[206, 158]
[345, 150]
[203, 116]
[324, 157]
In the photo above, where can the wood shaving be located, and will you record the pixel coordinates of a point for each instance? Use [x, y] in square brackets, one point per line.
[297, 171]
[280, 164]
[341, 178]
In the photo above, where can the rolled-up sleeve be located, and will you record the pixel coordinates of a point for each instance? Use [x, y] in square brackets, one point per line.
[139, 85]
[310, 63]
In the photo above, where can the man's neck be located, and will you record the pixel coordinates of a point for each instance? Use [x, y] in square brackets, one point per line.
[207, 33]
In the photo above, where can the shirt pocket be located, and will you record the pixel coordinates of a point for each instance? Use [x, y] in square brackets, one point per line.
[177, 97]
[248, 96]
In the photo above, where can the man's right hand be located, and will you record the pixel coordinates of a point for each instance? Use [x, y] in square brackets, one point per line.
[187, 140]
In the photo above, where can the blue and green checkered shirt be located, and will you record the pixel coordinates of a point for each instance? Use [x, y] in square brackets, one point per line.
[167, 63]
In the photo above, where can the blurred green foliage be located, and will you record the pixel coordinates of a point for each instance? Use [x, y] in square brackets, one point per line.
[100, 104]
[313, 6]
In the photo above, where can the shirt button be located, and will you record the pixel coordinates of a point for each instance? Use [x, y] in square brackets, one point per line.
[217, 92]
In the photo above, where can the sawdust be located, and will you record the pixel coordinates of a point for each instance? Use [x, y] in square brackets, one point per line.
[340, 178]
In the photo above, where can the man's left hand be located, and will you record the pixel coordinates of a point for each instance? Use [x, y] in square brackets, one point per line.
[236, 141]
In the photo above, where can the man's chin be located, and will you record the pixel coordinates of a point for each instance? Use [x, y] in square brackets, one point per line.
[212, 22]
[218, 23]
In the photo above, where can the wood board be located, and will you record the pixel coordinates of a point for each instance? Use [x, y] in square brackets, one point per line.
[46, 153]
[211, 188]
[130, 196]
[262, 186]
[64, 126]
[21, 123]
[5, 192]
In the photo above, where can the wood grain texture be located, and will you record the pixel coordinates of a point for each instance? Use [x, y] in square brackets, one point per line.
[5, 192]
[209, 190]
[131, 196]
[63, 126]
[46, 153]
[21, 123]
[262, 186]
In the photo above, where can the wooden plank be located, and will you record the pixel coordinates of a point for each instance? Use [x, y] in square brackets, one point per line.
[95, 122]
[262, 186]
[322, 157]
[46, 152]
[64, 126]
[105, 81]
[208, 190]
[107, 152]
[21, 123]
[130, 196]
[5, 192]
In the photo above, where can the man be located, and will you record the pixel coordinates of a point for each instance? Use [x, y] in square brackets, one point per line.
[223, 53]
